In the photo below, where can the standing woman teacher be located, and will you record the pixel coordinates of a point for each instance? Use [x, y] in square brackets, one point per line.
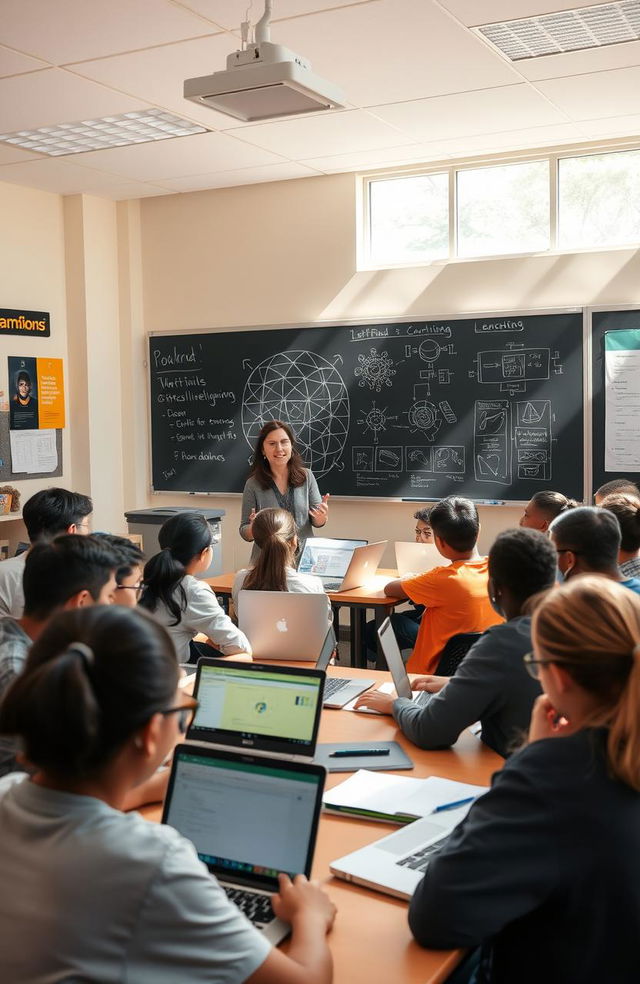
[279, 479]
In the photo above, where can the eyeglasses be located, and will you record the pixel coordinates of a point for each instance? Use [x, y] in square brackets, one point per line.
[532, 665]
[426, 532]
[131, 587]
[186, 714]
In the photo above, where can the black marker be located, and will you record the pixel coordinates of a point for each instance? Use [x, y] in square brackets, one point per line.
[348, 752]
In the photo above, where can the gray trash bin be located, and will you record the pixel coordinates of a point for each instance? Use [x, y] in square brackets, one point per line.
[147, 523]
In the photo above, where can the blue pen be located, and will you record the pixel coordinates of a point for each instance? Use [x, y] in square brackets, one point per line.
[453, 806]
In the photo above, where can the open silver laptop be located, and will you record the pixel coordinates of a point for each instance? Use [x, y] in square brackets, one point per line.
[396, 863]
[341, 565]
[417, 558]
[259, 708]
[338, 691]
[249, 818]
[393, 656]
[283, 624]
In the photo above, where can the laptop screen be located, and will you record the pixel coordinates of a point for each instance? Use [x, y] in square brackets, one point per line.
[250, 705]
[248, 818]
[393, 656]
[327, 558]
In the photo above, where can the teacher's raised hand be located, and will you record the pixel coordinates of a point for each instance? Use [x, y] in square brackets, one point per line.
[320, 513]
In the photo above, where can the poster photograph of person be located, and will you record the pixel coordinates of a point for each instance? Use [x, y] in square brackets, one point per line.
[23, 394]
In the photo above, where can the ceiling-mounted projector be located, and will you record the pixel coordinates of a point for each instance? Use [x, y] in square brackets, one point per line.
[264, 81]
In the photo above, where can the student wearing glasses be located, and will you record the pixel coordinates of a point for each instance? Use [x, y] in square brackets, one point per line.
[587, 541]
[94, 894]
[544, 872]
[129, 584]
[180, 601]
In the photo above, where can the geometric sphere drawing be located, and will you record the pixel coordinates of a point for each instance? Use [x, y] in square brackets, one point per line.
[375, 370]
[429, 350]
[307, 392]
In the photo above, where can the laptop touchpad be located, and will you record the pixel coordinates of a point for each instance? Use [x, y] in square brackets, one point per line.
[406, 840]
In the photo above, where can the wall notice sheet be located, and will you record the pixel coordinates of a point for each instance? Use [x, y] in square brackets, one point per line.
[622, 400]
[33, 451]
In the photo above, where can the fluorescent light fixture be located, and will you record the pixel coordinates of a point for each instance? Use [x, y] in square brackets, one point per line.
[566, 30]
[110, 131]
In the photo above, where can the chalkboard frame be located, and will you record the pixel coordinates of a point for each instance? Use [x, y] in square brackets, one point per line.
[597, 475]
[363, 322]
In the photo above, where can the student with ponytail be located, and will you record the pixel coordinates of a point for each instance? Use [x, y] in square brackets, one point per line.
[543, 508]
[274, 531]
[544, 872]
[90, 893]
[181, 602]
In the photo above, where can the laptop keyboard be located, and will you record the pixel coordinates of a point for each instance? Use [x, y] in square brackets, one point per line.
[418, 860]
[257, 908]
[334, 685]
[422, 697]
[331, 585]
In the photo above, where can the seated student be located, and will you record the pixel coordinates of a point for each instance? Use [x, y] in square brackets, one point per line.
[455, 596]
[178, 600]
[405, 624]
[542, 509]
[626, 509]
[46, 514]
[587, 541]
[70, 572]
[544, 872]
[623, 485]
[274, 531]
[130, 568]
[91, 893]
[491, 685]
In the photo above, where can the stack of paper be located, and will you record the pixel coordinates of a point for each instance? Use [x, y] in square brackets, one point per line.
[397, 799]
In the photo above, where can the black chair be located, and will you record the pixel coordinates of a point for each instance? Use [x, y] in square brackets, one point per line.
[454, 652]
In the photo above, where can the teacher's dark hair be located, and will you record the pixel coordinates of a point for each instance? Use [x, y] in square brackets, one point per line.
[92, 679]
[182, 538]
[261, 471]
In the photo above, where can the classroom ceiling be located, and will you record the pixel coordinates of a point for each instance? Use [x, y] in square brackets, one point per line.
[420, 85]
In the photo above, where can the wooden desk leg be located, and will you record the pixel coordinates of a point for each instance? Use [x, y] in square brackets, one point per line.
[380, 615]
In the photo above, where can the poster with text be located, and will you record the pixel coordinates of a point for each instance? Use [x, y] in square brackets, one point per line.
[50, 393]
[622, 400]
[23, 390]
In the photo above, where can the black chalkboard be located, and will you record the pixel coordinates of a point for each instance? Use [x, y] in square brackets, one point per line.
[489, 407]
[602, 322]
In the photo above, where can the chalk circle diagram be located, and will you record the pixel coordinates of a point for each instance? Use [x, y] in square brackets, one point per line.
[375, 421]
[426, 418]
[375, 370]
[305, 390]
[429, 350]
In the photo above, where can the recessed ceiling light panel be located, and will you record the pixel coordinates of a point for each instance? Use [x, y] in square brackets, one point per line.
[566, 30]
[142, 126]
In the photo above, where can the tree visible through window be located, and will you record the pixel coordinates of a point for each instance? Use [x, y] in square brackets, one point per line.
[599, 200]
[409, 219]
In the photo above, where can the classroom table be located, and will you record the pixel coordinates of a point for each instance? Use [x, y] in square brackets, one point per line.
[358, 601]
[370, 940]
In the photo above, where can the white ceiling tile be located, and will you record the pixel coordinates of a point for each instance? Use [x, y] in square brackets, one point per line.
[331, 133]
[366, 159]
[200, 154]
[618, 126]
[61, 176]
[393, 51]
[14, 63]
[157, 74]
[581, 62]
[134, 189]
[64, 31]
[14, 155]
[54, 96]
[485, 111]
[230, 13]
[597, 94]
[248, 175]
[474, 12]
[516, 140]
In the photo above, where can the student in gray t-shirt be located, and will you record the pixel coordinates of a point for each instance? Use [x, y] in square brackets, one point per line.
[491, 685]
[90, 893]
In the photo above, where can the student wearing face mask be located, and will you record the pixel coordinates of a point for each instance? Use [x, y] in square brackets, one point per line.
[491, 684]
[587, 541]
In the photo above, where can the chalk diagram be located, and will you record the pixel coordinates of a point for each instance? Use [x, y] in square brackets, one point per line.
[375, 421]
[533, 439]
[375, 370]
[514, 366]
[429, 351]
[442, 459]
[308, 392]
[388, 459]
[492, 441]
[362, 458]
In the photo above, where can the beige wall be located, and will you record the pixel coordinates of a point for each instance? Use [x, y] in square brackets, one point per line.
[285, 253]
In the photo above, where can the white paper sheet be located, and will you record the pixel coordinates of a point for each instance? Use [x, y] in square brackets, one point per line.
[33, 451]
[622, 401]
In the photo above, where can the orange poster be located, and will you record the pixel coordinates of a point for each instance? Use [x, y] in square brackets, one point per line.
[50, 393]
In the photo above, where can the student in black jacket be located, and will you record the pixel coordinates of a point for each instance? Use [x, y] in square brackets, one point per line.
[491, 685]
[544, 872]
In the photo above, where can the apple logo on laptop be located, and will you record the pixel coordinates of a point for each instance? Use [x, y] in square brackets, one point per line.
[281, 625]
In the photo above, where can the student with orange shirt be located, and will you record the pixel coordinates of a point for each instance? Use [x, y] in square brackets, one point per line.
[455, 596]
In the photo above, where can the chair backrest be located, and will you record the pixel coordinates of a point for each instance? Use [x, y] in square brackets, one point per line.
[455, 651]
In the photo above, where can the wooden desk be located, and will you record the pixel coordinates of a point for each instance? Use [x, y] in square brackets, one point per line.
[370, 941]
[358, 600]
